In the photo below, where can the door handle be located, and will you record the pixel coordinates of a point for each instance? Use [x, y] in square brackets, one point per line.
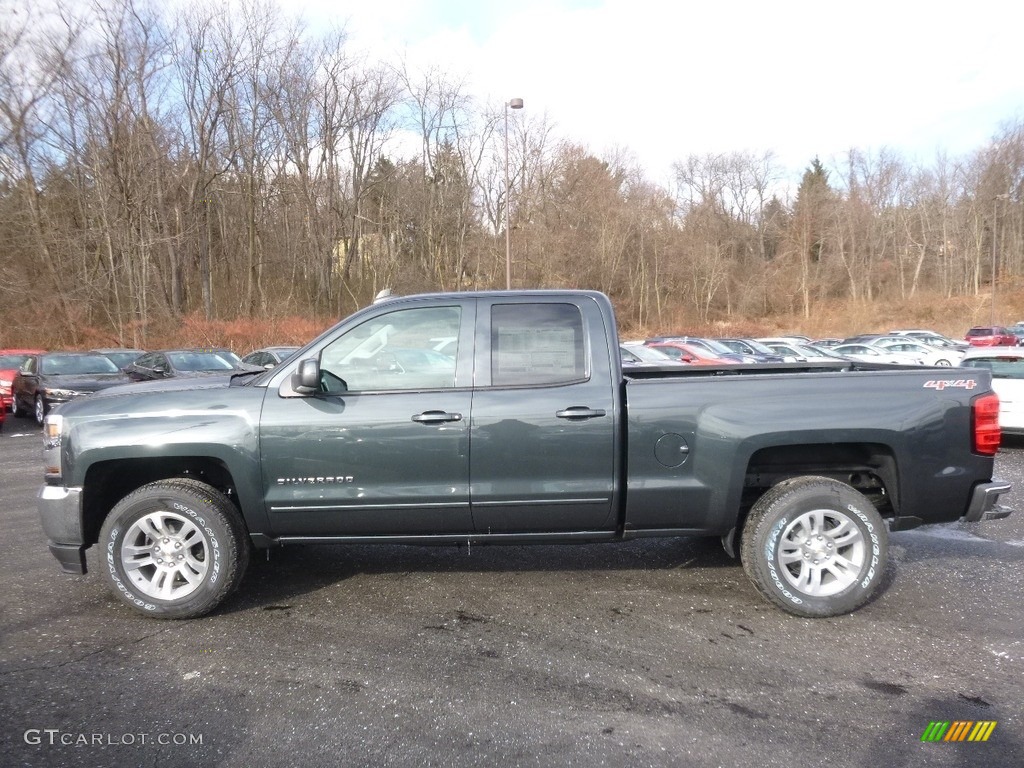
[579, 412]
[436, 417]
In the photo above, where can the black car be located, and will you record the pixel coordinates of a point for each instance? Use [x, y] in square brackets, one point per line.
[51, 378]
[185, 363]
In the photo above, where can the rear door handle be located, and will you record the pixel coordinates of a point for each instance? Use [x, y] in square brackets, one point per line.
[436, 417]
[579, 412]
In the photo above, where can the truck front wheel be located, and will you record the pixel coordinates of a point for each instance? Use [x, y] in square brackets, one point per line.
[815, 547]
[174, 549]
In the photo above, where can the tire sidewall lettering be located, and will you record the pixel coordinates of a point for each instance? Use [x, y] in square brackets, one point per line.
[875, 546]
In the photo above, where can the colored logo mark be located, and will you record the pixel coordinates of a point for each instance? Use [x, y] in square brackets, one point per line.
[958, 730]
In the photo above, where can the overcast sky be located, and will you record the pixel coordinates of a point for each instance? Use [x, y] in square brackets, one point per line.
[669, 79]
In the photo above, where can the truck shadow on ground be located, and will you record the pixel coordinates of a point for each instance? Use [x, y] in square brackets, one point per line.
[296, 570]
[702, 565]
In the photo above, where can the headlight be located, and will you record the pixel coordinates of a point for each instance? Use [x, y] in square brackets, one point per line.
[62, 393]
[53, 427]
[6, 383]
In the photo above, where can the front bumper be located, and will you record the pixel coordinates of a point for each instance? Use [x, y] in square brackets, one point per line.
[60, 510]
[984, 502]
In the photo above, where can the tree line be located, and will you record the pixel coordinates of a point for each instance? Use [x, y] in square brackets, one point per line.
[155, 165]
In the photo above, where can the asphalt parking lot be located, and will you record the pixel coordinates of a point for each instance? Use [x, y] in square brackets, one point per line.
[650, 653]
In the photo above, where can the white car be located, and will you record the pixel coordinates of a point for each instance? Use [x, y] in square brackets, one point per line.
[869, 354]
[931, 338]
[925, 353]
[1007, 366]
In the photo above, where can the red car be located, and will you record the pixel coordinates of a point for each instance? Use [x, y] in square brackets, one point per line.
[688, 353]
[10, 361]
[990, 336]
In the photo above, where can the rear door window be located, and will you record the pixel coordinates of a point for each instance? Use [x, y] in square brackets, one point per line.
[537, 344]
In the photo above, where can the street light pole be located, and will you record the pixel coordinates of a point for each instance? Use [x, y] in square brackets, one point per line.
[515, 104]
[992, 310]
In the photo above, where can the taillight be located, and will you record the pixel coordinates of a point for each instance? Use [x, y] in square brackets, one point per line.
[985, 430]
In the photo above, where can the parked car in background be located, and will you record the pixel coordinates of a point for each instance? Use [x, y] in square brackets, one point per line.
[927, 354]
[689, 353]
[188, 363]
[639, 354]
[1007, 366]
[817, 353]
[862, 338]
[784, 349]
[1018, 331]
[869, 354]
[934, 338]
[783, 339]
[720, 350]
[795, 352]
[709, 347]
[268, 357]
[10, 361]
[122, 356]
[990, 336]
[48, 379]
[754, 349]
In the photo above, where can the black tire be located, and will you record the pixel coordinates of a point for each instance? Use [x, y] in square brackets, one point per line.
[815, 547]
[40, 410]
[15, 410]
[174, 549]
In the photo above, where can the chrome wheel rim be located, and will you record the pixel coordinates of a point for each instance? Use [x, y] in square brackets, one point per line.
[40, 409]
[822, 552]
[165, 555]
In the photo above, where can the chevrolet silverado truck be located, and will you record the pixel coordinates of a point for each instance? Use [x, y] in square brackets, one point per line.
[523, 429]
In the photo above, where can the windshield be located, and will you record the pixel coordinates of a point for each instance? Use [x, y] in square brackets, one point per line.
[199, 361]
[77, 365]
[12, 361]
[647, 354]
[121, 359]
[760, 348]
[1001, 367]
[810, 350]
[717, 347]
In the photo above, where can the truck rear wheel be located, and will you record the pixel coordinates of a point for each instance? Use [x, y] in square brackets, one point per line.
[815, 547]
[174, 549]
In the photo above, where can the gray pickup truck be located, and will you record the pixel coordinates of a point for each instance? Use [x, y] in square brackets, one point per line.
[505, 417]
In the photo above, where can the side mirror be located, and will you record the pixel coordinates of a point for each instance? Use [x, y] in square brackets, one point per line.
[306, 380]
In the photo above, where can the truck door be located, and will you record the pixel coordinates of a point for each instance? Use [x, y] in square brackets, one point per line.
[543, 434]
[384, 448]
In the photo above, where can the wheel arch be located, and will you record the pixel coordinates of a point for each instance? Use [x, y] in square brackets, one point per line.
[869, 468]
[107, 482]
